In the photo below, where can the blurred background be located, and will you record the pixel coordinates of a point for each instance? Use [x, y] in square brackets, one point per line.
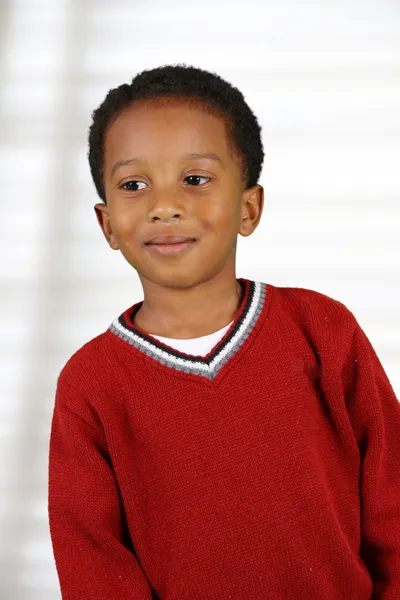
[323, 77]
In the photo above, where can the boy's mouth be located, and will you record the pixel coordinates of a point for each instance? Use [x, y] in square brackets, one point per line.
[172, 248]
[170, 239]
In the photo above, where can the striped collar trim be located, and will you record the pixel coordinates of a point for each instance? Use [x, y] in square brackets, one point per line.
[246, 317]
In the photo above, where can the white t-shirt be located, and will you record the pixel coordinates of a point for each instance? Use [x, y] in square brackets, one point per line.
[196, 346]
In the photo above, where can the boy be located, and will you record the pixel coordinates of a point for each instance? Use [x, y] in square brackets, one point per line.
[223, 438]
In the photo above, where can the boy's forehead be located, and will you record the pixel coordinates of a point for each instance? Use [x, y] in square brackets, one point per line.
[179, 126]
[153, 115]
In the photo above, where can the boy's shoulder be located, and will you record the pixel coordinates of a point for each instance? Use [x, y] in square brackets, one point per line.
[323, 323]
[87, 368]
[312, 309]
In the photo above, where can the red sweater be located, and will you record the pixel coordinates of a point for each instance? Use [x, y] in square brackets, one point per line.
[267, 470]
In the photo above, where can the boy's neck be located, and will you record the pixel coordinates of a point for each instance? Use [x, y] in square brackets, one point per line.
[193, 316]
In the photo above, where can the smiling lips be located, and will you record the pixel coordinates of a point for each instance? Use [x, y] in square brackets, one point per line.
[171, 245]
[170, 239]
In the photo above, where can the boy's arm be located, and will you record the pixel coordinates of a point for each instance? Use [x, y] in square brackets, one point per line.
[376, 412]
[85, 515]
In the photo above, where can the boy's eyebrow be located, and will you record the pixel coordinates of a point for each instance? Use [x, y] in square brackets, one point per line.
[210, 155]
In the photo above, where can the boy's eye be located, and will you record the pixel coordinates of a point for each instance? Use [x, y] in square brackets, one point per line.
[130, 186]
[195, 178]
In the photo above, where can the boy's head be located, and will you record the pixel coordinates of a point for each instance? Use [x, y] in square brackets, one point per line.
[145, 144]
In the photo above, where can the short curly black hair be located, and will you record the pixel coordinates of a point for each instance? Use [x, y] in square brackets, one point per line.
[186, 82]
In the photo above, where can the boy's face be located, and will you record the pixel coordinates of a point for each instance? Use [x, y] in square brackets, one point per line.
[164, 191]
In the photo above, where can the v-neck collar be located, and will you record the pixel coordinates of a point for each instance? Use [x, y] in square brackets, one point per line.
[246, 319]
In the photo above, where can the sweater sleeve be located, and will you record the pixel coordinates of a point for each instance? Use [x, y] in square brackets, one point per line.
[93, 559]
[377, 411]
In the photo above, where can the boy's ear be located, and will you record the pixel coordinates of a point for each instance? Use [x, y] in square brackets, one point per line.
[103, 219]
[252, 208]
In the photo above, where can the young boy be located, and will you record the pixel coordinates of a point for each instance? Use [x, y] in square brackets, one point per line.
[223, 438]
